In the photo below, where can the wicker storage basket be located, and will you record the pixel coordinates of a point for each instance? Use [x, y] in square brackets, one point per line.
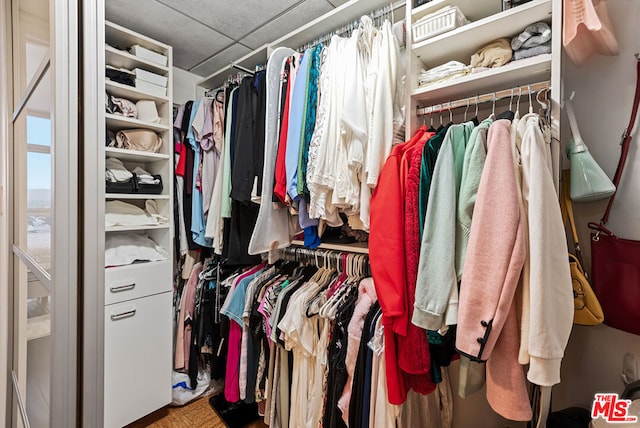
[439, 22]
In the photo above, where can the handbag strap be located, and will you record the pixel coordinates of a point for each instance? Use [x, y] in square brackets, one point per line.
[566, 206]
[626, 142]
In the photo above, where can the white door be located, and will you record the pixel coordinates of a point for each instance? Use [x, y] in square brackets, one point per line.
[39, 222]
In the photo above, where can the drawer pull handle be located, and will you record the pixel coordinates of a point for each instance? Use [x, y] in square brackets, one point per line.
[128, 314]
[124, 287]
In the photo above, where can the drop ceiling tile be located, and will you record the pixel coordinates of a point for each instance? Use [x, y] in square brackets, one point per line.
[293, 19]
[337, 3]
[192, 42]
[236, 18]
[221, 59]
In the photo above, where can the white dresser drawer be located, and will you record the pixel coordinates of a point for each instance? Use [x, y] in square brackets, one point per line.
[137, 358]
[124, 283]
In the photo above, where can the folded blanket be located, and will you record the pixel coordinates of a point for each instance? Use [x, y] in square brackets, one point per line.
[495, 54]
[534, 35]
[536, 50]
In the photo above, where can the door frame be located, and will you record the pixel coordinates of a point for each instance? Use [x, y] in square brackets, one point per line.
[92, 254]
[66, 300]
[64, 71]
[6, 212]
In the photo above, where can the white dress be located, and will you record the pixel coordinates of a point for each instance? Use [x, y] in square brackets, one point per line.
[272, 228]
[383, 69]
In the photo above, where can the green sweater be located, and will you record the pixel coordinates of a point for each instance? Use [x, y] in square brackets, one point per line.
[474, 157]
[429, 157]
[437, 278]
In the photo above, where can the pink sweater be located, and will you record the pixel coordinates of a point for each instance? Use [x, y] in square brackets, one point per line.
[495, 257]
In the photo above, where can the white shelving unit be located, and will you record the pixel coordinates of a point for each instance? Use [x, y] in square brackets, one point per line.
[487, 23]
[461, 43]
[138, 297]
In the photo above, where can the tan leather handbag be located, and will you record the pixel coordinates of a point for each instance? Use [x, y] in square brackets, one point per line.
[587, 309]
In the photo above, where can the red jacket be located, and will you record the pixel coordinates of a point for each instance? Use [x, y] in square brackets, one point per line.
[387, 254]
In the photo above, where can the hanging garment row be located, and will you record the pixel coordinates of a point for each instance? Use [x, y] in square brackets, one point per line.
[470, 213]
[330, 126]
[302, 338]
[296, 149]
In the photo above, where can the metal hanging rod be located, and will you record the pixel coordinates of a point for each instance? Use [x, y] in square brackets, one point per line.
[244, 69]
[376, 14]
[489, 97]
[321, 257]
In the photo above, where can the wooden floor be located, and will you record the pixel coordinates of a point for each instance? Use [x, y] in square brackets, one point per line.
[198, 414]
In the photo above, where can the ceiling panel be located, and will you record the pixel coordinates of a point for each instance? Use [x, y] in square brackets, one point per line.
[294, 18]
[337, 3]
[221, 59]
[192, 41]
[236, 19]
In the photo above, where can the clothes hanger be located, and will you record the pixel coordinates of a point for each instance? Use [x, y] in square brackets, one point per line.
[493, 107]
[360, 265]
[508, 114]
[450, 113]
[332, 302]
[466, 110]
[530, 103]
[511, 100]
[431, 128]
[545, 106]
[475, 118]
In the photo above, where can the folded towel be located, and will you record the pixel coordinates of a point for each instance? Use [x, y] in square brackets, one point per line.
[115, 171]
[442, 72]
[144, 177]
[534, 51]
[534, 35]
[495, 54]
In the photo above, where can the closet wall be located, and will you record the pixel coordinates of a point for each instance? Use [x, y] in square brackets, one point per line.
[604, 94]
[184, 86]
